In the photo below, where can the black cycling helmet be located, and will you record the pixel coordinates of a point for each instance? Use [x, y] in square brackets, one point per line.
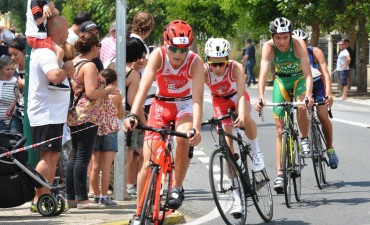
[281, 25]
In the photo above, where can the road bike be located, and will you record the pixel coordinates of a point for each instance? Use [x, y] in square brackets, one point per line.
[318, 145]
[231, 174]
[291, 161]
[153, 204]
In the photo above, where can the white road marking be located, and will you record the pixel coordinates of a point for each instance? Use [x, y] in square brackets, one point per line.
[352, 123]
[204, 159]
[199, 153]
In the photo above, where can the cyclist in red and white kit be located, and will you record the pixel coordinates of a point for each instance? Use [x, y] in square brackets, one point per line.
[179, 97]
[226, 80]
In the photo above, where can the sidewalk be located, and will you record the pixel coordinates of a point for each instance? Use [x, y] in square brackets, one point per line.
[119, 215]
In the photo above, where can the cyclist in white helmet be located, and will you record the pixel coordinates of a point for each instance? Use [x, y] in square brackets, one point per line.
[293, 73]
[321, 92]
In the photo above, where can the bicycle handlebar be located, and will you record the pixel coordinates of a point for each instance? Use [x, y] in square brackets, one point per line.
[215, 120]
[323, 103]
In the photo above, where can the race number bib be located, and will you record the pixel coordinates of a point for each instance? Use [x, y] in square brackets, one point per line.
[180, 40]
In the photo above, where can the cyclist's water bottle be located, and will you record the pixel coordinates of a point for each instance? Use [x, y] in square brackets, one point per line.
[239, 162]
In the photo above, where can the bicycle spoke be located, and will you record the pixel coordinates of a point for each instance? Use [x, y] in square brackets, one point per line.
[263, 198]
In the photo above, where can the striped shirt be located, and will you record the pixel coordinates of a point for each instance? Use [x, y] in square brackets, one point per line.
[7, 97]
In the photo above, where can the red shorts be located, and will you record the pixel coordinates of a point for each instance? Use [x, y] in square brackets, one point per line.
[40, 43]
[162, 113]
[221, 106]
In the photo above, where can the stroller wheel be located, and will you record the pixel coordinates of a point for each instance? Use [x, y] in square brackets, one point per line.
[61, 205]
[47, 205]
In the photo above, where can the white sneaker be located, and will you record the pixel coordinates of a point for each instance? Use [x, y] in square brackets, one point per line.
[306, 151]
[279, 183]
[258, 163]
[237, 209]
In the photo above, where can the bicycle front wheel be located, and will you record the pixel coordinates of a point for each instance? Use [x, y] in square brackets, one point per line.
[297, 168]
[164, 196]
[227, 189]
[146, 215]
[317, 156]
[286, 164]
[263, 196]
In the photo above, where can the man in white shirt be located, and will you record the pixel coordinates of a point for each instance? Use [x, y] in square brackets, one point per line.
[47, 108]
[343, 68]
[74, 30]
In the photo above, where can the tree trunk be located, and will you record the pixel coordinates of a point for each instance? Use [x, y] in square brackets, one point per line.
[315, 34]
[361, 64]
[352, 36]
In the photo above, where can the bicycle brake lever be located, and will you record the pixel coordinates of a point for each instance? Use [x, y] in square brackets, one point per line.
[129, 133]
[191, 148]
[260, 114]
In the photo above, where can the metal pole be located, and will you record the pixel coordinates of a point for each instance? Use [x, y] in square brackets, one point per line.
[119, 160]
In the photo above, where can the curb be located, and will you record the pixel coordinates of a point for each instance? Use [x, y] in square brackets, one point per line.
[174, 218]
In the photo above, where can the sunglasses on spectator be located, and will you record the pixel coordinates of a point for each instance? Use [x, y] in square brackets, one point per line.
[174, 49]
[219, 63]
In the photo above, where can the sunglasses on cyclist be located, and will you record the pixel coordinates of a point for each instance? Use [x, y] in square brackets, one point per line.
[174, 49]
[219, 63]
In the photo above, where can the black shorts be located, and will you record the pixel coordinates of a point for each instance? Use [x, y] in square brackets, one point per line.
[46, 132]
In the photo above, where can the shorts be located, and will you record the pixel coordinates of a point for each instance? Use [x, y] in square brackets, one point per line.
[161, 113]
[221, 106]
[107, 143]
[46, 132]
[281, 89]
[343, 75]
[137, 139]
[318, 89]
[40, 43]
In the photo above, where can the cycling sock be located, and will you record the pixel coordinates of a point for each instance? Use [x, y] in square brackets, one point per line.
[254, 146]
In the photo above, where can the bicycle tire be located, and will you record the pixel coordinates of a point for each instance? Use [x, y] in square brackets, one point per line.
[317, 156]
[222, 189]
[146, 215]
[164, 196]
[286, 169]
[263, 197]
[297, 172]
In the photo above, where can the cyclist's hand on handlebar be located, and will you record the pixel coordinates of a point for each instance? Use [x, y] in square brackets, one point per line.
[258, 105]
[130, 123]
[328, 100]
[239, 122]
[310, 101]
[195, 140]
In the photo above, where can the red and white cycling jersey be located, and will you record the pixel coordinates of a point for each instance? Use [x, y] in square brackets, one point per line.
[223, 85]
[174, 83]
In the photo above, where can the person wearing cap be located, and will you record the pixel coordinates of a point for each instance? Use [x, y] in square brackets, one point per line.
[74, 30]
[91, 27]
[108, 44]
[250, 61]
[6, 37]
[180, 84]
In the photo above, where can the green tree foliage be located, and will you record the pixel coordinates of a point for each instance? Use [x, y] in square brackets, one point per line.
[18, 9]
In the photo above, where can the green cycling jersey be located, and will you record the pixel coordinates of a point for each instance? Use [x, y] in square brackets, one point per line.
[287, 62]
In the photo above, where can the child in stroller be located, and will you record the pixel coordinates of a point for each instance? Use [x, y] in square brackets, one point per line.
[18, 180]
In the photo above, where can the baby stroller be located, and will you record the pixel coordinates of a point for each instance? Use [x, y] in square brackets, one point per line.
[18, 180]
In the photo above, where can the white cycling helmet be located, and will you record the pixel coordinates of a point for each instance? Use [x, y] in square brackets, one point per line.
[217, 47]
[300, 34]
[281, 25]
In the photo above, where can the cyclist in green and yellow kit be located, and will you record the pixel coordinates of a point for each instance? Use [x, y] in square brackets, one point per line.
[293, 74]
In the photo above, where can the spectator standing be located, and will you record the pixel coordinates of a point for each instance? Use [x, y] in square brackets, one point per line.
[7, 97]
[106, 144]
[17, 51]
[47, 108]
[343, 68]
[142, 26]
[250, 61]
[89, 111]
[352, 64]
[6, 37]
[74, 30]
[108, 44]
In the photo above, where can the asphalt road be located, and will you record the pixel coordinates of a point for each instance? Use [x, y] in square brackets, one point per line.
[344, 200]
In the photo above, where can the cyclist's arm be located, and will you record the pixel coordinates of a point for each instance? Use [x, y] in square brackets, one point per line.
[320, 59]
[302, 53]
[267, 54]
[205, 74]
[197, 72]
[238, 71]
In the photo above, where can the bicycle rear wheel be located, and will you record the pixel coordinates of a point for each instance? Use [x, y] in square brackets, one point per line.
[263, 195]
[227, 189]
[317, 157]
[146, 215]
[297, 165]
[285, 155]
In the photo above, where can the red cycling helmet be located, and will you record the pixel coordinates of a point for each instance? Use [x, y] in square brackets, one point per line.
[178, 34]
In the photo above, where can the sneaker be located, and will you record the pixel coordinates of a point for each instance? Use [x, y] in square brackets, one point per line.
[90, 195]
[258, 163]
[107, 202]
[135, 220]
[60, 87]
[176, 197]
[96, 200]
[131, 190]
[279, 184]
[33, 208]
[236, 211]
[306, 151]
[333, 159]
